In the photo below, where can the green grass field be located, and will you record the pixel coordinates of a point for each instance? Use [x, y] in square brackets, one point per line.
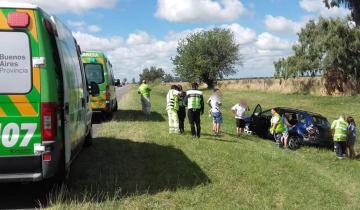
[135, 164]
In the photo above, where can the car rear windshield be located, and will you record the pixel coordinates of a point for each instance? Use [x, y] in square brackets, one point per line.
[15, 63]
[94, 73]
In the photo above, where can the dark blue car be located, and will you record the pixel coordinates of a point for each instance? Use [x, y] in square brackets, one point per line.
[307, 128]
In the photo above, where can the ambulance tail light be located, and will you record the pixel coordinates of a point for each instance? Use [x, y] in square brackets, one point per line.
[18, 20]
[48, 121]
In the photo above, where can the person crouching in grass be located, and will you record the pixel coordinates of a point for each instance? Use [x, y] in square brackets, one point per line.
[239, 111]
[351, 137]
[215, 104]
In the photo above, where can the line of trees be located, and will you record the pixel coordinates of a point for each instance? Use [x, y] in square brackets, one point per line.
[329, 47]
[153, 73]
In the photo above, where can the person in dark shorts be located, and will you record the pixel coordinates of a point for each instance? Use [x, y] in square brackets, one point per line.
[239, 111]
[351, 137]
[182, 109]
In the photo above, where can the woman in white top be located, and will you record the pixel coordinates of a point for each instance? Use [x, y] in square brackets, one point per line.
[239, 111]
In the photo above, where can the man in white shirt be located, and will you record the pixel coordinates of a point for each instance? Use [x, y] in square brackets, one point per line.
[239, 111]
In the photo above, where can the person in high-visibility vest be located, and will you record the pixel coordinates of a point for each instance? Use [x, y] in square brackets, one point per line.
[144, 90]
[277, 127]
[340, 131]
[194, 101]
[172, 107]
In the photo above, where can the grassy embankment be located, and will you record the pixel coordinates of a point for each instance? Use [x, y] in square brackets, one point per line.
[135, 164]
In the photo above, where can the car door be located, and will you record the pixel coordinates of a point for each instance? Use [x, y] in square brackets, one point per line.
[265, 121]
[258, 121]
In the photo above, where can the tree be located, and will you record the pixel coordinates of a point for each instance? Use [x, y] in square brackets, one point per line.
[133, 80]
[207, 56]
[329, 47]
[353, 5]
[168, 78]
[152, 74]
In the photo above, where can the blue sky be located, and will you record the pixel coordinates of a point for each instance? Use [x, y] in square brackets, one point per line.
[141, 33]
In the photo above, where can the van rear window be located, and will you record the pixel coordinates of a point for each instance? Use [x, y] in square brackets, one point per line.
[15, 63]
[94, 73]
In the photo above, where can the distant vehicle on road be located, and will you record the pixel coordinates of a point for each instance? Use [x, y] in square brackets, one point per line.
[308, 128]
[45, 115]
[118, 83]
[98, 69]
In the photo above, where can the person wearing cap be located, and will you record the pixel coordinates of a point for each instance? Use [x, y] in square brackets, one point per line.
[194, 101]
[144, 90]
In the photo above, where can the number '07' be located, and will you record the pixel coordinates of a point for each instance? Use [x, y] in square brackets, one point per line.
[11, 133]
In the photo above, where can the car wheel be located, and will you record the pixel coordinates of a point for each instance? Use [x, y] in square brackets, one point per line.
[294, 142]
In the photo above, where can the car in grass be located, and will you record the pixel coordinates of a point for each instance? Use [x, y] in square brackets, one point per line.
[307, 128]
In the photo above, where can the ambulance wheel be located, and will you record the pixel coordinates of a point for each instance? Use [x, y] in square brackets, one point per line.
[89, 138]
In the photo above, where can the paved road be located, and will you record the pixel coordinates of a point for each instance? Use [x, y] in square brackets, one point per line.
[28, 196]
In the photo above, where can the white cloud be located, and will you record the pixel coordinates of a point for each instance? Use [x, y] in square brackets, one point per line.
[94, 28]
[74, 6]
[82, 26]
[281, 24]
[199, 10]
[141, 37]
[267, 41]
[91, 42]
[317, 6]
[242, 35]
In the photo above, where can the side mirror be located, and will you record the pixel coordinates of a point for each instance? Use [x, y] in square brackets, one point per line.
[94, 89]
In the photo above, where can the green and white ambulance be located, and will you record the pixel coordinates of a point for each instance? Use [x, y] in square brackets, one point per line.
[98, 69]
[45, 113]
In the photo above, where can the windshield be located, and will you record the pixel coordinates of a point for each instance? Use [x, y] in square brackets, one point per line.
[94, 73]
